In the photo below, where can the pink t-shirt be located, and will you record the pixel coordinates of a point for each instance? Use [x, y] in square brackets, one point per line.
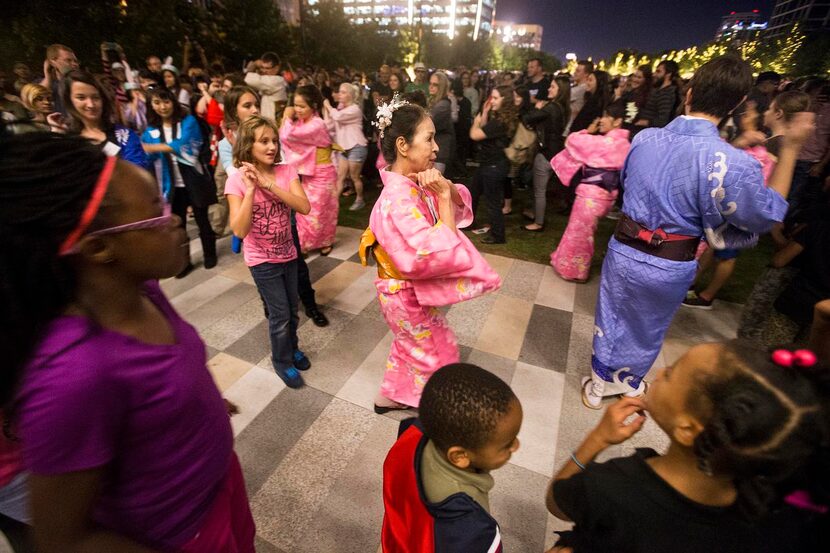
[269, 240]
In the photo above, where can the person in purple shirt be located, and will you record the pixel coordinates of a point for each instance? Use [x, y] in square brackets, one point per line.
[126, 438]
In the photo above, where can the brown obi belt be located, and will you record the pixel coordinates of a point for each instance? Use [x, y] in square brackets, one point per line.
[368, 243]
[659, 243]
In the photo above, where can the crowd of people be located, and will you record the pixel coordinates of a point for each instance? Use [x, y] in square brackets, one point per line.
[115, 437]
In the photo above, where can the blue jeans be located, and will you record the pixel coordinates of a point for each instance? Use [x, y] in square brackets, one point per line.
[277, 284]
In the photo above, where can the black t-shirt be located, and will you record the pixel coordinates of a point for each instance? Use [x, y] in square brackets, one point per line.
[540, 89]
[491, 149]
[625, 507]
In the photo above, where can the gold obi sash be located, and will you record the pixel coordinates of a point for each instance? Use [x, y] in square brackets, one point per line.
[386, 269]
[323, 155]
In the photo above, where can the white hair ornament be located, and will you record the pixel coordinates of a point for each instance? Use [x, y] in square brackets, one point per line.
[385, 112]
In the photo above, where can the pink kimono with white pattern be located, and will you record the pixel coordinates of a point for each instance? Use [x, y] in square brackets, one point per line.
[572, 258]
[299, 141]
[440, 266]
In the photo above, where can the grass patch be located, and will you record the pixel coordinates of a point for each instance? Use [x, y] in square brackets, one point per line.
[537, 246]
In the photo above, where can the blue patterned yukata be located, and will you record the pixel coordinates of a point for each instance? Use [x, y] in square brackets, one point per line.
[686, 180]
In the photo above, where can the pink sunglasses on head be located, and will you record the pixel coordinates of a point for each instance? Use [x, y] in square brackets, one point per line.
[144, 224]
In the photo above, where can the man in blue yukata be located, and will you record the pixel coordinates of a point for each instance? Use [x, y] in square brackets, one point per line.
[682, 183]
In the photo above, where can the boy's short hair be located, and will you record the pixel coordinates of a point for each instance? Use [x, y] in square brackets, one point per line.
[768, 77]
[272, 58]
[720, 85]
[461, 405]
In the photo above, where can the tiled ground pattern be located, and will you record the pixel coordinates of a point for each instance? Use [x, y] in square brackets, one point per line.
[313, 457]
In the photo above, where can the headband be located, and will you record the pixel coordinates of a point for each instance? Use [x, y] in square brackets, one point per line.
[91, 209]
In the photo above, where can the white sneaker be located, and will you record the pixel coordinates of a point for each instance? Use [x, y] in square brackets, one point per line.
[358, 204]
[592, 391]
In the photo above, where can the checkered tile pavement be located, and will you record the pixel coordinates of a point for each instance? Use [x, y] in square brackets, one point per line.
[313, 457]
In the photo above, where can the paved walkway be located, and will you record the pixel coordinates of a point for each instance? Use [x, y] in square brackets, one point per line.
[313, 457]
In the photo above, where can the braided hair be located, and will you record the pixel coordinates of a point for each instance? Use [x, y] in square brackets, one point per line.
[46, 181]
[764, 424]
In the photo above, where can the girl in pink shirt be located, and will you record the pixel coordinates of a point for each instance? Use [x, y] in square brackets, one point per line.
[346, 122]
[261, 196]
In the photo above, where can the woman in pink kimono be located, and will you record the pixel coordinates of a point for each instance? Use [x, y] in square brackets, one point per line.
[424, 261]
[594, 156]
[307, 146]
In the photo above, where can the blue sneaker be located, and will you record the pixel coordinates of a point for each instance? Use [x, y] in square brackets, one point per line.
[291, 377]
[301, 361]
[236, 244]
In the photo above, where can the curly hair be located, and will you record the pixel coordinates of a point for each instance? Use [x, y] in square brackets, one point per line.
[461, 405]
[763, 423]
[508, 113]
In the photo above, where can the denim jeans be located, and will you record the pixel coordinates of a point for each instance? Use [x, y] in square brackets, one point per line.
[542, 172]
[489, 180]
[277, 284]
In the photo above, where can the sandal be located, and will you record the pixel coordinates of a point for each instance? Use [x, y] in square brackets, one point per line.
[348, 192]
[325, 251]
[540, 229]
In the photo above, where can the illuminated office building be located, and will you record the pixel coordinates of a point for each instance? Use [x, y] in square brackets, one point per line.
[447, 17]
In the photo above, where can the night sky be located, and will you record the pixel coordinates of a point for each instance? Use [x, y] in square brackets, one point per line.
[601, 27]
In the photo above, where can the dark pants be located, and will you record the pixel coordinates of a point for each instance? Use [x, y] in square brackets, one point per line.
[181, 200]
[303, 278]
[805, 191]
[490, 181]
[277, 285]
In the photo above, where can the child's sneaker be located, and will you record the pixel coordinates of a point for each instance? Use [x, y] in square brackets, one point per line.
[592, 390]
[301, 361]
[291, 377]
[358, 204]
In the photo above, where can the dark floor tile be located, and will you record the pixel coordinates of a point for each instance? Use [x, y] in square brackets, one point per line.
[585, 300]
[320, 266]
[269, 437]
[547, 338]
[254, 345]
[500, 366]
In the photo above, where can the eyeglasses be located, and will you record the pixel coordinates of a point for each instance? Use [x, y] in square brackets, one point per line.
[155, 222]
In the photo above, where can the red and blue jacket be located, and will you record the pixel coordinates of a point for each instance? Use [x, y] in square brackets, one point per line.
[411, 524]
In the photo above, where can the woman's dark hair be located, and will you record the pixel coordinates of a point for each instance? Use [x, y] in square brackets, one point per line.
[563, 97]
[508, 113]
[720, 85]
[76, 123]
[46, 181]
[457, 87]
[524, 94]
[404, 123]
[642, 92]
[416, 97]
[763, 424]
[236, 79]
[147, 74]
[312, 95]
[232, 99]
[602, 96]
[616, 109]
[153, 118]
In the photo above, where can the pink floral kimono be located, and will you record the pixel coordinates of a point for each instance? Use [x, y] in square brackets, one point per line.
[435, 266]
[599, 157]
[307, 147]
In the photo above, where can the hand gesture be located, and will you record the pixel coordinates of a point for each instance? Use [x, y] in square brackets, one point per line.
[593, 128]
[433, 181]
[541, 103]
[613, 429]
[250, 176]
[57, 122]
[203, 87]
[801, 127]
[289, 113]
[750, 138]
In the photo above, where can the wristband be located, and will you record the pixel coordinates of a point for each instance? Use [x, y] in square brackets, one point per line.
[576, 461]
